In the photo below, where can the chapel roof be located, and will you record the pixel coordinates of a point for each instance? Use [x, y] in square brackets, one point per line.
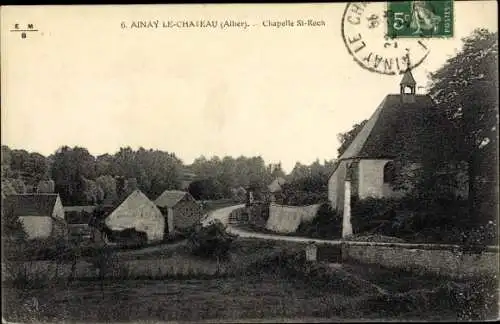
[391, 125]
[408, 79]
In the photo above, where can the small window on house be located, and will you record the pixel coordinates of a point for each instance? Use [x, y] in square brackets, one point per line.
[389, 172]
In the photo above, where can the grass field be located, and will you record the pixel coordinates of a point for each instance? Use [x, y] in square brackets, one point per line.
[262, 279]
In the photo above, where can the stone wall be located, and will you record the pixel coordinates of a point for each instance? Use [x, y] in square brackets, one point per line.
[423, 259]
[186, 214]
[286, 219]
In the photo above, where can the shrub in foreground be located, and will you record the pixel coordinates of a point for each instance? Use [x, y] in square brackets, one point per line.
[327, 224]
[211, 241]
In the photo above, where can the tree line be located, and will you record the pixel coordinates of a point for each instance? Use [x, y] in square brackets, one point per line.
[81, 178]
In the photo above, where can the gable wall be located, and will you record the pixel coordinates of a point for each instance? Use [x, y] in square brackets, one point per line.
[37, 227]
[138, 212]
[371, 179]
[58, 211]
[336, 186]
[186, 214]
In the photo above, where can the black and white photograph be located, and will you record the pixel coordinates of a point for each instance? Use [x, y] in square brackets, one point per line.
[250, 163]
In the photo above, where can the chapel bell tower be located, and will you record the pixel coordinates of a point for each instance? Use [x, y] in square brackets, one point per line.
[407, 87]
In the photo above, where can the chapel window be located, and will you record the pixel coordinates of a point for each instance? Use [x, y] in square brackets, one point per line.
[389, 172]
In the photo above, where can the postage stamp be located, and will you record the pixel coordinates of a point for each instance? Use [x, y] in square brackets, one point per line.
[364, 34]
[420, 19]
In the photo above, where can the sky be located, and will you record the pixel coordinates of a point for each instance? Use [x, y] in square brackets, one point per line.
[281, 93]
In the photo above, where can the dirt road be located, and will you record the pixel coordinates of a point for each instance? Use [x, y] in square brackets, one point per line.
[223, 215]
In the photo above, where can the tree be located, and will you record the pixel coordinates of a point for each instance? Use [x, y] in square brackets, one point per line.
[6, 162]
[46, 186]
[69, 169]
[346, 138]
[124, 161]
[35, 168]
[276, 171]
[205, 189]
[92, 193]
[108, 186]
[299, 171]
[132, 185]
[12, 227]
[18, 161]
[465, 90]
[227, 175]
[105, 165]
[18, 185]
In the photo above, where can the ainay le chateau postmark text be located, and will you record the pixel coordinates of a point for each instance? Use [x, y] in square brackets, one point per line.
[221, 24]
[367, 41]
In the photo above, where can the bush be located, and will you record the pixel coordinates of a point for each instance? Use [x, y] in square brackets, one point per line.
[128, 237]
[439, 220]
[47, 249]
[371, 213]
[477, 299]
[327, 224]
[304, 198]
[258, 213]
[212, 240]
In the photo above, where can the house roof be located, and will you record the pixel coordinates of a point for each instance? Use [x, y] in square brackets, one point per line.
[170, 198]
[31, 204]
[136, 201]
[393, 123]
[276, 184]
[101, 212]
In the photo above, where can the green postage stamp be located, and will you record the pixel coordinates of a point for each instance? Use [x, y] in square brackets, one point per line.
[420, 18]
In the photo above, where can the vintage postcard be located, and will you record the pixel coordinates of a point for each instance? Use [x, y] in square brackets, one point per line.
[327, 162]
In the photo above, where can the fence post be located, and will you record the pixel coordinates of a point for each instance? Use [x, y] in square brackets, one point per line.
[311, 252]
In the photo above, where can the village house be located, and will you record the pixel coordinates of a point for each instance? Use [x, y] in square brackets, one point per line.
[78, 218]
[368, 162]
[181, 210]
[134, 217]
[42, 215]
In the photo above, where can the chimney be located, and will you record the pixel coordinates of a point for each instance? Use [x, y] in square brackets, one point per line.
[120, 187]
